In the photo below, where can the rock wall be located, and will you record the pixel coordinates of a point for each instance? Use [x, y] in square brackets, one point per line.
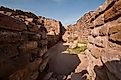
[55, 30]
[104, 42]
[80, 30]
[23, 45]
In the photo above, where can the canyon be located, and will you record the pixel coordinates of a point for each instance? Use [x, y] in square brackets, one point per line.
[37, 48]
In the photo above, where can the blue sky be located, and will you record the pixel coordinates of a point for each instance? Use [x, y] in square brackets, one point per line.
[67, 11]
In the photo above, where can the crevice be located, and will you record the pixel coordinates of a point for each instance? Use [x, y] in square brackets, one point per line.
[112, 19]
[108, 7]
[116, 42]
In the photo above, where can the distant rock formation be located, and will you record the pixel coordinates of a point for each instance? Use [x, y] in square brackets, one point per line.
[55, 30]
[80, 30]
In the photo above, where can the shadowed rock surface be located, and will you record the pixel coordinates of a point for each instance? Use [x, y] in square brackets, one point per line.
[24, 41]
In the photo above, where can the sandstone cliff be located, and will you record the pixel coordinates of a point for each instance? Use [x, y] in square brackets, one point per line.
[104, 48]
[54, 28]
[24, 37]
[80, 30]
[101, 29]
[23, 52]
[23, 43]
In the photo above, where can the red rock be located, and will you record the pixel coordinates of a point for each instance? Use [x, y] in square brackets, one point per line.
[95, 32]
[10, 23]
[115, 28]
[103, 31]
[26, 47]
[91, 39]
[116, 37]
[113, 11]
[101, 41]
[10, 37]
[99, 21]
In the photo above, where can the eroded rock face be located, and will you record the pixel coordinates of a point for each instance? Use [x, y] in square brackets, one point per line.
[23, 45]
[55, 30]
[80, 30]
[103, 29]
[104, 47]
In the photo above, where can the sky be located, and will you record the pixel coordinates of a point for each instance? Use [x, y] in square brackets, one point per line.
[66, 11]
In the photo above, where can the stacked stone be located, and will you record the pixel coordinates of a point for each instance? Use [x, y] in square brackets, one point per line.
[23, 45]
[80, 30]
[104, 42]
[55, 30]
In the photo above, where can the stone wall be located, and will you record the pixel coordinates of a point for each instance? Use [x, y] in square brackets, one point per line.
[55, 30]
[23, 45]
[80, 30]
[104, 42]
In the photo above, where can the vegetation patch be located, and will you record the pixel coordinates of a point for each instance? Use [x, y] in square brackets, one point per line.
[81, 47]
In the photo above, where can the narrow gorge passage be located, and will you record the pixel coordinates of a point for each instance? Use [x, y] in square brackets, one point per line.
[37, 48]
[62, 63]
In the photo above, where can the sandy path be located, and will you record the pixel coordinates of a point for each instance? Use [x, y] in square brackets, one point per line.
[62, 63]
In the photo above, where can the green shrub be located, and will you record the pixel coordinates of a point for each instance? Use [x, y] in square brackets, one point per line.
[81, 47]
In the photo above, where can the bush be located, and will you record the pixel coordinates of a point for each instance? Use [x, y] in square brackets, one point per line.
[81, 47]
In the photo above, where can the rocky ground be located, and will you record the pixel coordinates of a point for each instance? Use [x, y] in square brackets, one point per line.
[62, 64]
[32, 48]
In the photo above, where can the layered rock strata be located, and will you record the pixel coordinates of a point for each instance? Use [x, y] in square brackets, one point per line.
[102, 31]
[54, 28]
[79, 31]
[104, 42]
[23, 45]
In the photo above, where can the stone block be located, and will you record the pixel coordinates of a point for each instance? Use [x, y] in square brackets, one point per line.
[101, 41]
[43, 65]
[99, 20]
[91, 39]
[114, 28]
[114, 46]
[95, 51]
[33, 76]
[29, 19]
[27, 47]
[32, 27]
[103, 31]
[34, 66]
[44, 35]
[42, 50]
[10, 37]
[43, 42]
[7, 22]
[20, 75]
[95, 31]
[116, 37]
[113, 11]
[8, 51]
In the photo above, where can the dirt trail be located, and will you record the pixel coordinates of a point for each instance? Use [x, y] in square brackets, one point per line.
[60, 62]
